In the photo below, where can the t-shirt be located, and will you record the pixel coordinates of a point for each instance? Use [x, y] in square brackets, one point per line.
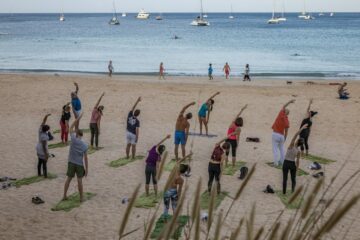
[281, 123]
[43, 136]
[95, 116]
[217, 154]
[210, 70]
[132, 123]
[305, 132]
[77, 150]
[247, 71]
[291, 154]
[65, 117]
[204, 108]
[76, 104]
[153, 157]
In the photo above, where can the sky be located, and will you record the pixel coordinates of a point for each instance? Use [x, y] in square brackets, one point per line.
[94, 6]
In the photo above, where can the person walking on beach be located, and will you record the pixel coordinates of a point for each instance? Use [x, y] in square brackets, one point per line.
[305, 133]
[226, 70]
[182, 128]
[110, 68]
[161, 71]
[42, 150]
[233, 140]
[343, 94]
[95, 122]
[64, 123]
[152, 164]
[210, 72]
[204, 113]
[291, 162]
[215, 165]
[132, 130]
[78, 159]
[247, 73]
[280, 131]
[76, 103]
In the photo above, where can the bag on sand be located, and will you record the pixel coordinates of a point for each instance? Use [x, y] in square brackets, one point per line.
[243, 172]
[269, 189]
[315, 166]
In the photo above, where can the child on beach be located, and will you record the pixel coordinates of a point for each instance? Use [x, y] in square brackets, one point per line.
[95, 122]
[152, 166]
[227, 70]
[110, 68]
[204, 113]
[247, 73]
[161, 71]
[233, 140]
[64, 123]
[305, 133]
[210, 72]
[132, 130]
[42, 147]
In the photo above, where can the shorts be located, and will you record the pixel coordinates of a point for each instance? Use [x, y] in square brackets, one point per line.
[130, 138]
[74, 168]
[179, 138]
[77, 113]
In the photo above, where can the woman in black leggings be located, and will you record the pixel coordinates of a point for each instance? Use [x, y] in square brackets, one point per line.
[305, 133]
[95, 122]
[291, 162]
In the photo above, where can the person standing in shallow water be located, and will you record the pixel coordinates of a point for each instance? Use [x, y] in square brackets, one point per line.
[95, 122]
[110, 68]
[132, 130]
[227, 70]
[42, 147]
[210, 72]
[161, 71]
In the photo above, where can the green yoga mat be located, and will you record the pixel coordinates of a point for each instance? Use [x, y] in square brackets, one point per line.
[320, 160]
[73, 201]
[163, 220]
[93, 150]
[58, 145]
[299, 172]
[123, 161]
[85, 130]
[230, 170]
[34, 179]
[285, 199]
[170, 165]
[150, 201]
[205, 199]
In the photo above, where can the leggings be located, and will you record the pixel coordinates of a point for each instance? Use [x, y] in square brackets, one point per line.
[170, 196]
[289, 166]
[150, 172]
[64, 133]
[214, 172]
[233, 144]
[94, 134]
[42, 162]
[305, 145]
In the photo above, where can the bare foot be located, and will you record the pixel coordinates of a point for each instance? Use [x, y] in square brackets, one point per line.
[82, 199]
[64, 198]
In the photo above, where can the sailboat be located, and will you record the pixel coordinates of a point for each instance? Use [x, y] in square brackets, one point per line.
[123, 14]
[200, 21]
[159, 17]
[231, 13]
[282, 18]
[304, 15]
[114, 20]
[62, 17]
[273, 20]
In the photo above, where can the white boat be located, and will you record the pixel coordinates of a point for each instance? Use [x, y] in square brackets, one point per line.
[143, 15]
[331, 14]
[114, 20]
[200, 21]
[321, 14]
[62, 17]
[231, 13]
[123, 14]
[282, 18]
[205, 16]
[273, 19]
[159, 17]
[304, 15]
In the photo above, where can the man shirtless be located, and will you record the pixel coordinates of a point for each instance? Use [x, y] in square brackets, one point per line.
[182, 130]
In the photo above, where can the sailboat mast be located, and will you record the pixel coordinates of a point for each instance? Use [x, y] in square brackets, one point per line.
[304, 12]
[114, 14]
[201, 9]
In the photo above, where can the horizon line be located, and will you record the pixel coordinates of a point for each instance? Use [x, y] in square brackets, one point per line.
[168, 12]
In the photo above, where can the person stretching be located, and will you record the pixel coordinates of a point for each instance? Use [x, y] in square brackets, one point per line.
[291, 162]
[227, 70]
[95, 122]
[215, 164]
[78, 159]
[233, 140]
[76, 103]
[42, 146]
[152, 166]
[182, 131]
[280, 131]
[305, 133]
[132, 130]
[64, 123]
[204, 112]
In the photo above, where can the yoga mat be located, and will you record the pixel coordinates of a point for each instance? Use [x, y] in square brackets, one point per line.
[58, 145]
[150, 201]
[203, 135]
[163, 220]
[230, 170]
[123, 161]
[34, 179]
[296, 204]
[73, 201]
[93, 150]
[205, 199]
[320, 160]
[299, 172]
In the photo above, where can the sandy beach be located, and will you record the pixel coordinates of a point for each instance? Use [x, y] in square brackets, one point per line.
[26, 98]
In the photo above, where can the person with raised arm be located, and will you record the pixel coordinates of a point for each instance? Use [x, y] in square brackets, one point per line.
[280, 131]
[182, 128]
[75, 102]
[291, 162]
[233, 140]
[204, 113]
[95, 122]
[215, 165]
[305, 133]
[226, 70]
[132, 130]
[78, 159]
[152, 164]
[64, 123]
[42, 150]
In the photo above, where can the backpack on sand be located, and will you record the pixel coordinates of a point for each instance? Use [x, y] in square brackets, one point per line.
[243, 172]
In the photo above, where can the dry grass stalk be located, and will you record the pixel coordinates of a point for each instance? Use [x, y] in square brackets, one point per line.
[128, 211]
[197, 223]
[235, 234]
[274, 232]
[250, 223]
[211, 207]
[295, 195]
[196, 203]
[310, 199]
[171, 177]
[218, 227]
[161, 167]
[150, 225]
[259, 233]
[286, 231]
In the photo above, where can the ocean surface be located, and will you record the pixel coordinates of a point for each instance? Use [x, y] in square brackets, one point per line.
[324, 47]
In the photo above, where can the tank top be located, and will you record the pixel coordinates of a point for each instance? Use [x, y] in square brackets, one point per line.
[231, 130]
[291, 154]
[217, 154]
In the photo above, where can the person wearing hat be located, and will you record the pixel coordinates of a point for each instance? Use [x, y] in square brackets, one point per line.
[305, 133]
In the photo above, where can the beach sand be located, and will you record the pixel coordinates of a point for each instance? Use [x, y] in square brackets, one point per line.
[26, 98]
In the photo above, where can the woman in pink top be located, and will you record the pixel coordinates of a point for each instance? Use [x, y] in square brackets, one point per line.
[234, 136]
[95, 122]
